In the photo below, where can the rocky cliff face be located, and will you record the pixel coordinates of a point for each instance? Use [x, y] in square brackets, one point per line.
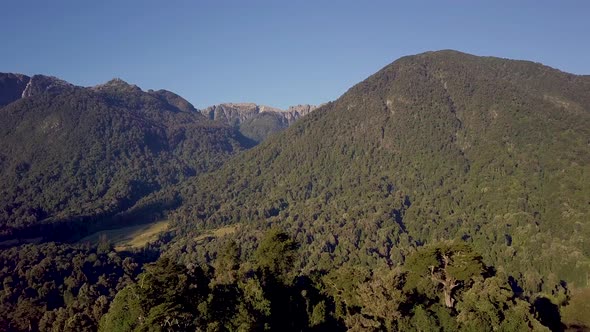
[231, 113]
[254, 121]
[238, 113]
[295, 112]
[39, 84]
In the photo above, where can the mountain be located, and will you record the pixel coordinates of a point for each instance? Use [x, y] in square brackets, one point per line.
[16, 86]
[256, 121]
[71, 155]
[437, 146]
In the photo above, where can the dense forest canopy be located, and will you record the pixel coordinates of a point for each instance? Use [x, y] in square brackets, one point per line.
[445, 192]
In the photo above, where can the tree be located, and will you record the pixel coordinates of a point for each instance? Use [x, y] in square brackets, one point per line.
[319, 314]
[165, 295]
[227, 263]
[449, 266]
[104, 245]
[490, 305]
[380, 299]
[276, 255]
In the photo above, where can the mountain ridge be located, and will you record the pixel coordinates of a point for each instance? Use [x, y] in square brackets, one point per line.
[75, 157]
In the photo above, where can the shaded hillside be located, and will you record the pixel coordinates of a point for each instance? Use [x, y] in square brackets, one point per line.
[441, 145]
[81, 154]
[256, 122]
[12, 87]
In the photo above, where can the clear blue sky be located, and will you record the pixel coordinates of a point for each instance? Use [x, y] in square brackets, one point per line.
[277, 53]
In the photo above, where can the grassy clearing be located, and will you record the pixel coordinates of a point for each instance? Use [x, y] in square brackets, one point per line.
[15, 242]
[575, 315]
[131, 237]
[219, 232]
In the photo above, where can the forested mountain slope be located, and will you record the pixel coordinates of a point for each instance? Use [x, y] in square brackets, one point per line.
[441, 145]
[78, 155]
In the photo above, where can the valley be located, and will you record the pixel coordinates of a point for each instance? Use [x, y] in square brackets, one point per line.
[128, 238]
[446, 191]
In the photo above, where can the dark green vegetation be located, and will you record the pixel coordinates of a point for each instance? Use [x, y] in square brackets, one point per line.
[53, 287]
[264, 293]
[76, 159]
[433, 147]
[71, 288]
[446, 192]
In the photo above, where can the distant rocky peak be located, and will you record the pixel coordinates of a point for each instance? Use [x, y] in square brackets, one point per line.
[231, 113]
[237, 113]
[300, 110]
[117, 84]
[305, 108]
[39, 84]
[264, 108]
[244, 106]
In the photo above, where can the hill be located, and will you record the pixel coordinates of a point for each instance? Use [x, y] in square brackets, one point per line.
[77, 157]
[437, 146]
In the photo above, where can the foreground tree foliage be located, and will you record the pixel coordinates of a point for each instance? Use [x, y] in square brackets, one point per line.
[450, 268]
[164, 296]
[417, 297]
[54, 287]
[266, 295]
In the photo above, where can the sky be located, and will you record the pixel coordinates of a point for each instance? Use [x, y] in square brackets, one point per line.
[277, 53]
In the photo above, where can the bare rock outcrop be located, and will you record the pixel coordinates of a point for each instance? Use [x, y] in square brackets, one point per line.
[238, 113]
